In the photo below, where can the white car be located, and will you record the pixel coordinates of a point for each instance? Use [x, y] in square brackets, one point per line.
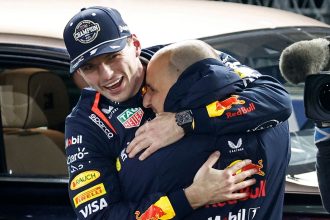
[36, 92]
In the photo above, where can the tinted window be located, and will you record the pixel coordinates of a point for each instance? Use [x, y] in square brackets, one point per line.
[36, 94]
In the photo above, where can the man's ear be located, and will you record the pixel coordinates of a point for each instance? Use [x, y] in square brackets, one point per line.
[136, 44]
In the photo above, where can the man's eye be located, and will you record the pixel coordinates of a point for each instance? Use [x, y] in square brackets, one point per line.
[110, 57]
[87, 68]
[116, 55]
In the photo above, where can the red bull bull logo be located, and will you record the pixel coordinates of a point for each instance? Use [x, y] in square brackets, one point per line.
[162, 209]
[152, 213]
[217, 108]
[250, 166]
[255, 166]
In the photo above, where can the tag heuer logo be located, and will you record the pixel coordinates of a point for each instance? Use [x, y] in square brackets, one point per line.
[131, 117]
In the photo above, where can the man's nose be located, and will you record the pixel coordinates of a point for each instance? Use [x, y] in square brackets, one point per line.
[147, 100]
[105, 71]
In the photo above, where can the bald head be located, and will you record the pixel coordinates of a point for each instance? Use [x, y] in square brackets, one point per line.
[168, 64]
[177, 57]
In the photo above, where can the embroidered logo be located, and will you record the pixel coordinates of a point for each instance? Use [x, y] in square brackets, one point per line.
[131, 117]
[235, 147]
[217, 108]
[108, 110]
[86, 31]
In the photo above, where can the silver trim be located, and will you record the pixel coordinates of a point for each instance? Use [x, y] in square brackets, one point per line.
[35, 179]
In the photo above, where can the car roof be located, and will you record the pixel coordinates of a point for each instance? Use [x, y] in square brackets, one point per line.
[154, 22]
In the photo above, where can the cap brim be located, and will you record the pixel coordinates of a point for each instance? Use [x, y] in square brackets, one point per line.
[108, 47]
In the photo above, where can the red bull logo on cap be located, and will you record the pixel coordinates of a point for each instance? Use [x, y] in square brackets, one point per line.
[162, 209]
[217, 108]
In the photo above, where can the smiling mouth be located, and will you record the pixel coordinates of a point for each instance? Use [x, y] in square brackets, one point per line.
[115, 84]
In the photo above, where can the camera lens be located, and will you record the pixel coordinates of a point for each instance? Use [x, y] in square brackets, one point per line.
[325, 96]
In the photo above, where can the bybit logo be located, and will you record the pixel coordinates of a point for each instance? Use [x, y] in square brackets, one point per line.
[73, 140]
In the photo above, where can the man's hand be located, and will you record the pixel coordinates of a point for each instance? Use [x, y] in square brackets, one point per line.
[213, 186]
[155, 134]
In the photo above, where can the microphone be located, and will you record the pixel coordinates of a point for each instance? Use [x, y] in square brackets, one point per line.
[304, 58]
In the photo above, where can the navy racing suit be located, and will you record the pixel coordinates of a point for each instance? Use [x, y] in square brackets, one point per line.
[175, 166]
[98, 131]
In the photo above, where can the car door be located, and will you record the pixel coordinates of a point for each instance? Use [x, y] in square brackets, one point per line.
[36, 94]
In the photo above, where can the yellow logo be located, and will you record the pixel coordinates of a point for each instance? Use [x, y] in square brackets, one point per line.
[84, 178]
[89, 194]
[118, 164]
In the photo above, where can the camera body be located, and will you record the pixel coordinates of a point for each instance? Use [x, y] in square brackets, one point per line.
[317, 97]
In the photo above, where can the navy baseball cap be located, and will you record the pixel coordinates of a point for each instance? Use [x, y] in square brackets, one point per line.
[92, 32]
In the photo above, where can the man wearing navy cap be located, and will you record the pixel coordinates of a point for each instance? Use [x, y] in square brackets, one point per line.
[108, 57]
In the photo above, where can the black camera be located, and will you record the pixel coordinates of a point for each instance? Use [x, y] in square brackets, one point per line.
[317, 97]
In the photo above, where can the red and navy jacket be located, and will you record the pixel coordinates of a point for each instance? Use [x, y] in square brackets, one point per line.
[105, 184]
[175, 166]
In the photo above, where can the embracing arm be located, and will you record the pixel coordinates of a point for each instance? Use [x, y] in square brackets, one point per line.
[261, 104]
[94, 186]
[258, 103]
[95, 190]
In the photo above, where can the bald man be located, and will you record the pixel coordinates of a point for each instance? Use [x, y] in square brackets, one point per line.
[189, 75]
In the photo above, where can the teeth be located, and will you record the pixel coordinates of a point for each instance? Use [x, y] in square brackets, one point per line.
[114, 83]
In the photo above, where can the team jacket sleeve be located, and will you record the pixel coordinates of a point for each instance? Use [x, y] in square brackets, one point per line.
[260, 102]
[94, 187]
[322, 141]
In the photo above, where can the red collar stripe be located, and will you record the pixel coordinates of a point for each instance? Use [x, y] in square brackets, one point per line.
[97, 111]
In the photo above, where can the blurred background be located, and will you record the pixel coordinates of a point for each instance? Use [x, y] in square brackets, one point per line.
[318, 9]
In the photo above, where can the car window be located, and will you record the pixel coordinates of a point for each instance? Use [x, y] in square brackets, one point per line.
[35, 98]
[262, 52]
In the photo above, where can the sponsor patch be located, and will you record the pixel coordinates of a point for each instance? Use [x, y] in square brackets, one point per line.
[244, 71]
[241, 111]
[73, 140]
[93, 207]
[131, 117]
[242, 214]
[84, 178]
[236, 147]
[76, 168]
[77, 156]
[89, 194]
[162, 209]
[250, 166]
[101, 125]
[217, 108]
[107, 110]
